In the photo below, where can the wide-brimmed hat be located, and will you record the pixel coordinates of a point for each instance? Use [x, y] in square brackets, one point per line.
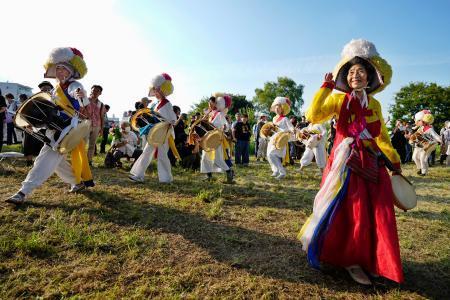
[362, 51]
[66, 56]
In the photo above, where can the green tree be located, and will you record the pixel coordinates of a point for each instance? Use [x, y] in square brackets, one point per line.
[418, 96]
[285, 87]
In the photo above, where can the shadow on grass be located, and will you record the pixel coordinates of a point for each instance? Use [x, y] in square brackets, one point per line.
[255, 252]
[430, 279]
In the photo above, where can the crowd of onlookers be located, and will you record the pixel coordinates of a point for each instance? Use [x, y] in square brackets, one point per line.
[242, 136]
[400, 140]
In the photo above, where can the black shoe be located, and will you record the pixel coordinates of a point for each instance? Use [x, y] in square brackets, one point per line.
[419, 172]
[89, 183]
[29, 163]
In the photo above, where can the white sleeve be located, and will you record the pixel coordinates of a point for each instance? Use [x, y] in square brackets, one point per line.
[167, 112]
[71, 90]
[435, 136]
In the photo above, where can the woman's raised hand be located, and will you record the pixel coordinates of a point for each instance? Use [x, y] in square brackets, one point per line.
[329, 77]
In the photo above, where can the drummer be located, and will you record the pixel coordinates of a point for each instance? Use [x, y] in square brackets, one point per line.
[160, 87]
[213, 161]
[65, 65]
[424, 119]
[315, 147]
[281, 106]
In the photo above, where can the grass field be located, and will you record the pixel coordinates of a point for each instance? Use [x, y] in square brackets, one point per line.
[196, 240]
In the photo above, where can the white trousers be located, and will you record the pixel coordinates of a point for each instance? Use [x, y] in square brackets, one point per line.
[47, 162]
[420, 157]
[319, 152]
[164, 167]
[217, 165]
[275, 156]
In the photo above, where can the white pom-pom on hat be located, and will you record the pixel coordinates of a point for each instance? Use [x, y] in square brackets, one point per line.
[359, 47]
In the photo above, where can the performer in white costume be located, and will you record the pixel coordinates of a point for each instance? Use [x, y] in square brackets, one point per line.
[281, 106]
[421, 152]
[213, 161]
[161, 87]
[315, 147]
[65, 65]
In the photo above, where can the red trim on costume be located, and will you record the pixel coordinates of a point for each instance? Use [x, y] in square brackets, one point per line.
[216, 112]
[280, 117]
[328, 85]
[162, 103]
[397, 166]
[426, 127]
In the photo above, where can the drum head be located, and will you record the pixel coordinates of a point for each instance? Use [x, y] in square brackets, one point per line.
[35, 111]
[158, 134]
[211, 140]
[404, 194]
[281, 140]
[73, 138]
[267, 130]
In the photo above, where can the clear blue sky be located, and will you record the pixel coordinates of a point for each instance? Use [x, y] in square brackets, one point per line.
[239, 45]
[226, 46]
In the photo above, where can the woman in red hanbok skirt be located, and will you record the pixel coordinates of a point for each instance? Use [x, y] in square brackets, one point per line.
[353, 220]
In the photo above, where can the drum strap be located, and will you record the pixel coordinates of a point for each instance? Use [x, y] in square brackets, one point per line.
[63, 100]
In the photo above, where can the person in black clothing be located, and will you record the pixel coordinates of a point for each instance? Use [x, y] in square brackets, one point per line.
[242, 134]
[399, 141]
[2, 117]
[105, 132]
[332, 135]
[11, 137]
[180, 134]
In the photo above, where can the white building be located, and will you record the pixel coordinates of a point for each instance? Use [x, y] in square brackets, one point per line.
[15, 88]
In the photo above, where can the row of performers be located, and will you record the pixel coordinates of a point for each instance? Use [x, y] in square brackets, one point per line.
[353, 221]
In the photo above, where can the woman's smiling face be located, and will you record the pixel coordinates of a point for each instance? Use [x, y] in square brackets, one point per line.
[357, 77]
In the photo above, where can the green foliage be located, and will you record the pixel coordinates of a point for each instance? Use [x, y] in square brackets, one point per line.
[418, 96]
[284, 87]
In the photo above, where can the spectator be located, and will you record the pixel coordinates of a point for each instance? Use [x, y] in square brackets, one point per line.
[261, 150]
[45, 86]
[242, 134]
[238, 119]
[95, 111]
[303, 123]
[399, 141]
[444, 144]
[145, 102]
[105, 129]
[2, 118]
[293, 148]
[180, 133]
[12, 105]
[125, 145]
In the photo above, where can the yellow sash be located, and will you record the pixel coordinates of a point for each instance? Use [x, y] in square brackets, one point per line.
[173, 148]
[79, 159]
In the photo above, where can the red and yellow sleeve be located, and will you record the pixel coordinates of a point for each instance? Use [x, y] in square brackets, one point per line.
[325, 104]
